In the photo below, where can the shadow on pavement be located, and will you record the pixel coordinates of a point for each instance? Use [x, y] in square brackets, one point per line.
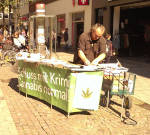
[136, 65]
[145, 106]
[13, 83]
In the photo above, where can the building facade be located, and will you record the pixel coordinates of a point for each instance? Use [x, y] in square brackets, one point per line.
[118, 16]
[77, 18]
[130, 20]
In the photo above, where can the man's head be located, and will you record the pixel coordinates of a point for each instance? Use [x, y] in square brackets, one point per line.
[97, 31]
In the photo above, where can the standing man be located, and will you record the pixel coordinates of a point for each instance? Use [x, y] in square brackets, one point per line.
[66, 37]
[91, 48]
[58, 39]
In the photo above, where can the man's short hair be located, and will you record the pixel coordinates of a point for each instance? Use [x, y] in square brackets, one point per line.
[97, 25]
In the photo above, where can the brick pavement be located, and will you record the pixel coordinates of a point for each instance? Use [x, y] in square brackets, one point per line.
[30, 116]
[5, 118]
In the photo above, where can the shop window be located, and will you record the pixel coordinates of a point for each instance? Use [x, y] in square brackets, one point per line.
[61, 23]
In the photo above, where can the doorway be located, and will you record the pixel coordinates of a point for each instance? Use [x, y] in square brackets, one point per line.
[135, 21]
[80, 27]
[77, 27]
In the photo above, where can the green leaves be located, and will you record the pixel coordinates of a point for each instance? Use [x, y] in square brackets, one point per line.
[13, 3]
[87, 93]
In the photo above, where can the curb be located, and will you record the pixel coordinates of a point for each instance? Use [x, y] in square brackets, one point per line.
[7, 125]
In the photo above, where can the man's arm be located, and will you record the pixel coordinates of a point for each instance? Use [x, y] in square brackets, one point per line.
[81, 48]
[83, 57]
[100, 58]
[102, 54]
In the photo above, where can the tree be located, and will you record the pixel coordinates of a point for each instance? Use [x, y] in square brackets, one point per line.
[8, 5]
[12, 3]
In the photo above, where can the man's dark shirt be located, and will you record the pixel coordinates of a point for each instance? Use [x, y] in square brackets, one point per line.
[91, 48]
[66, 36]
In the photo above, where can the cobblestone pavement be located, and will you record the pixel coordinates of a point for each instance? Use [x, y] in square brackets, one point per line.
[31, 116]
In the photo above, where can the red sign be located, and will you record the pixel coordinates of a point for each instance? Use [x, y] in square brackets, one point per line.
[24, 18]
[83, 2]
[61, 19]
[40, 8]
[73, 3]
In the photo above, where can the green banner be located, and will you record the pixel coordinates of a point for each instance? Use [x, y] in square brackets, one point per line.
[51, 84]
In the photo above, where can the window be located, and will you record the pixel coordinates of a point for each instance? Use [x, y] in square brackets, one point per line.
[99, 16]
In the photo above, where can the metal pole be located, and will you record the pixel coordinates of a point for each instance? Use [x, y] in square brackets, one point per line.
[55, 32]
[50, 45]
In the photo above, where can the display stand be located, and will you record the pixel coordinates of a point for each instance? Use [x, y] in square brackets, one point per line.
[61, 87]
[42, 33]
[67, 89]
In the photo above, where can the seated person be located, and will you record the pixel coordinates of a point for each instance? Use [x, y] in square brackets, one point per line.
[19, 40]
[8, 43]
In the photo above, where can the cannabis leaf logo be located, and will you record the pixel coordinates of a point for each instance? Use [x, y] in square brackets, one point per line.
[87, 93]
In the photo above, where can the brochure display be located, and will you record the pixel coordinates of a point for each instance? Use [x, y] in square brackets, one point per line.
[68, 90]
[42, 31]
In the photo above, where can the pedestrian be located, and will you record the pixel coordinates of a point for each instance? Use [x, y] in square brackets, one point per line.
[109, 48]
[1, 40]
[53, 39]
[8, 44]
[19, 40]
[5, 34]
[58, 39]
[91, 49]
[1, 37]
[66, 37]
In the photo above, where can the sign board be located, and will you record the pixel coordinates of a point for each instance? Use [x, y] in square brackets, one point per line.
[73, 3]
[83, 2]
[87, 92]
[61, 19]
[40, 8]
[69, 91]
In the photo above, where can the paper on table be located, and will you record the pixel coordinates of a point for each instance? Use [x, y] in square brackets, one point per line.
[108, 65]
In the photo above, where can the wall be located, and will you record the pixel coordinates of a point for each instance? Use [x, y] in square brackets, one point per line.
[102, 4]
[66, 7]
[24, 9]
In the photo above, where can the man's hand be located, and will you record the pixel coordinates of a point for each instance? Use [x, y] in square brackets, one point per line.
[83, 58]
[100, 58]
[87, 62]
[94, 62]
